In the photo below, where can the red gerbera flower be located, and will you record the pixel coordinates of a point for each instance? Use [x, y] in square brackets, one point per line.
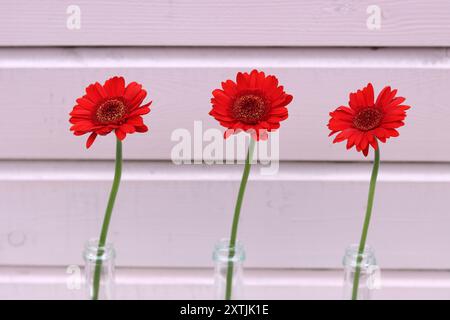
[110, 107]
[365, 121]
[253, 103]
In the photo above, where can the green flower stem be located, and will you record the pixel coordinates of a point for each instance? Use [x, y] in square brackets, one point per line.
[107, 219]
[237, 212]
[362, 243]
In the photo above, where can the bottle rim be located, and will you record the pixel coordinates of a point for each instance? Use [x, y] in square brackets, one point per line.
[352, 254]
[222, 251]
[92, 251]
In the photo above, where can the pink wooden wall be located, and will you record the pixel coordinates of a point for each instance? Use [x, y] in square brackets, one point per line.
[296, 223]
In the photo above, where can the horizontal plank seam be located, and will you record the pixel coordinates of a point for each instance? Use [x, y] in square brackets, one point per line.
[194, 57]
[166, 171]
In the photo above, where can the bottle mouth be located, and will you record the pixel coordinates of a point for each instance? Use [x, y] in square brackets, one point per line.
[94, 252]
[367, 257]
[224, 253]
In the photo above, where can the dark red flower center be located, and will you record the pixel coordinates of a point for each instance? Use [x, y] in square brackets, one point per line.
[368, 118]
[249, 108]
[111, 111]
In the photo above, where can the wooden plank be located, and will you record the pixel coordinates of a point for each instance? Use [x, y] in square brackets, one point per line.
[51, 283]
[225, 23]
[41, 85]
[171, 216]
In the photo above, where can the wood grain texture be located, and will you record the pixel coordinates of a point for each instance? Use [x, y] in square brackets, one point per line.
[41, 86]
[171, 216]
[295, 224]
[188, 284]
[225, 23]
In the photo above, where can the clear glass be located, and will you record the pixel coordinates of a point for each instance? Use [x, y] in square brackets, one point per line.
[222, 261]
[92, 256]
[369, 279]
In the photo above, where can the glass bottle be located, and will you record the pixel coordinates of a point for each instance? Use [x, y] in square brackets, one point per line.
[369, 278]
[228, 264]
[105, 258]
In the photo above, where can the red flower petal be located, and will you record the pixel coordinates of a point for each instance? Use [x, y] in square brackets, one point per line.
[142, 129]
[137, 101]
[120, 134]
[91, 139]
[140, 111]
[115, 87]
[132, 90]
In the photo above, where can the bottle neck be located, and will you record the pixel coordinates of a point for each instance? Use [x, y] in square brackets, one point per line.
[94, 253]
[367, 258]
[223, 253]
